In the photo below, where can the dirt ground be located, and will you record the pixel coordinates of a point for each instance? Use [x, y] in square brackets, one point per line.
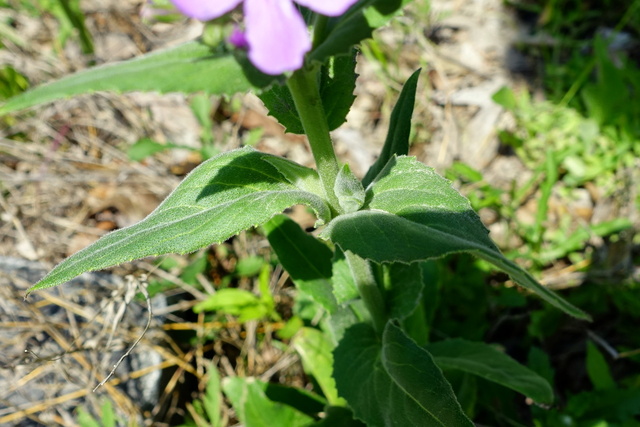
[66, 180]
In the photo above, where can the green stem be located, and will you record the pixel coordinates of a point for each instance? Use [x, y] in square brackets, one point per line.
[319, 29]
[303, 85]
[368, 289]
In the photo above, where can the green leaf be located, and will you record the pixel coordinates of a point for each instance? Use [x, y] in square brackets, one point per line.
[223, 196]
[306, 259]
[505, 98]
[108, 414]
[491, 364]
[598, 369]
[344, 287]
[393, 383]
[413, 369]
[237, 302]
[190, 67]
[405, 293]
[212, 399]
[349, 190]
[304, 178]
[315, 349]
[249, 266]
[147, 147]
[281, 106]
[298, 398]
[413, 214]
[85, 419]
[538, 361]
[337, 84]
[356, 25]
[254, 409]
[397, 142]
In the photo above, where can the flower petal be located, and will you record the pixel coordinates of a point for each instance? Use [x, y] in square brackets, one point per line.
[328, 7]
[277, 35]
[205, 10]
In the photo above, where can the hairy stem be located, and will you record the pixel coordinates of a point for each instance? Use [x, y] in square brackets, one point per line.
[303, 85]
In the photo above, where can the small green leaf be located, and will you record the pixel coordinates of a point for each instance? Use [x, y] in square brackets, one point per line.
[344, 287]
[281, 106]
[254, 409]
[249, 266]
[337, 84]
[212, 399]
[237, 302]
[505, 98]
[356, 25]
[397, 142]
[108, 414]
[190, 67]
[147, 147]
[306, 259]
[85, 419]
[223, 196]
[491, 364]
[413, 214]
[349, 190]
[393, 383]
[598, 369]
[315, 349]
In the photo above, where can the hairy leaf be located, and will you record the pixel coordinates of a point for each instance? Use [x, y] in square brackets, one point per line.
[397, 142]
[405, 290]
[491, 364]
[190, 67]
[223, 196]
[349, 190]
[413, 214]
[393, 383]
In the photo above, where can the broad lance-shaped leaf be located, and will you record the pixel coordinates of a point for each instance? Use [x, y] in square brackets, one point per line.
[221, 197]
[190, 67]
[491, 364]
[413, 214]
[306, 259]
[393, 383]
[397, 141]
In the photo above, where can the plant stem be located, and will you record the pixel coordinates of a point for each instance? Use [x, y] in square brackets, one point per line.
[303, 85]
[319, 28]
[368, 289]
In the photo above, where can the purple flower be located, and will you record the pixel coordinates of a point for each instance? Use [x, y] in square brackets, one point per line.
[276, 34]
